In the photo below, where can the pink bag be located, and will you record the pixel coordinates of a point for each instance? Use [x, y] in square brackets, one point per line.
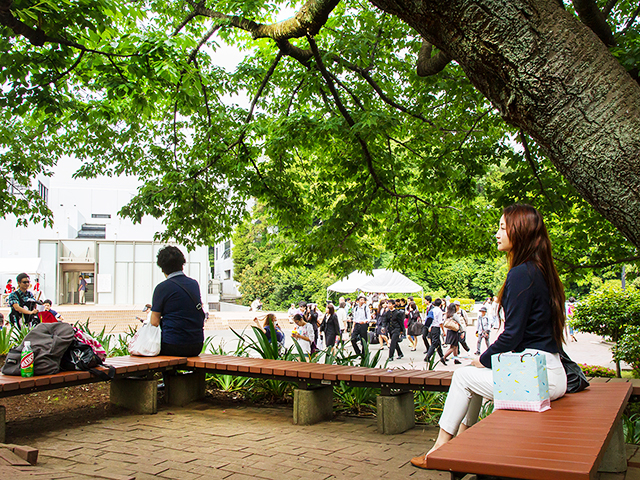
[84, 337]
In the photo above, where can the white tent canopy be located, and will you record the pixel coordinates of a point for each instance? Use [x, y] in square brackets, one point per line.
[15, 265]
[380, 281]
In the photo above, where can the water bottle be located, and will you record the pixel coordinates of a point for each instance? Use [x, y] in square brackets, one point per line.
[26, 360]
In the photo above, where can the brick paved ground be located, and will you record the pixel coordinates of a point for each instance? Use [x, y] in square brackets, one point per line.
[210, 442]
[204, 441]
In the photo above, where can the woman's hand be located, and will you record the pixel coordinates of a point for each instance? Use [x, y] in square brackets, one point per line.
[476, 363]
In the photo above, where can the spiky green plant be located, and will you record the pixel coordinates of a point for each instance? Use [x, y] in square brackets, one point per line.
[102, 337]
[18, 334]
[5, 340]
[429, 406]
[122, 346]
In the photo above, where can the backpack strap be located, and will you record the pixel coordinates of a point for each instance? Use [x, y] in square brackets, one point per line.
[104, 375]
[197, 304]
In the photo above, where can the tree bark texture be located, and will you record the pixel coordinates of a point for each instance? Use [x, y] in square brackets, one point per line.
[554, 78]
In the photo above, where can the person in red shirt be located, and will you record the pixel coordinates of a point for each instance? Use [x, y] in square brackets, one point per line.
[9, 287]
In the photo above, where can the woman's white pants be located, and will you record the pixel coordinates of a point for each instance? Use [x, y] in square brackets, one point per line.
[470, 385]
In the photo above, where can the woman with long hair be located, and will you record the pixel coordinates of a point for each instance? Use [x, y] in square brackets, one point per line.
[413, 315]
[330, 326]
[533, 301]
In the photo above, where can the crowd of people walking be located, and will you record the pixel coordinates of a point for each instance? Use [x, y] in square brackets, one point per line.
[376, 319]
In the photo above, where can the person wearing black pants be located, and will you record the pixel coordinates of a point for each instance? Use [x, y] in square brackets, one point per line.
[427, 322]
[396, 328]
[361, 317]
[434, 333]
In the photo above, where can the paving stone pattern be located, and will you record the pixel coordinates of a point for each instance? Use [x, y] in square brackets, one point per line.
[209, 442]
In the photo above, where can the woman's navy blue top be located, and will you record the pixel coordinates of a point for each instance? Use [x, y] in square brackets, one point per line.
[527, 314]
[181, 322]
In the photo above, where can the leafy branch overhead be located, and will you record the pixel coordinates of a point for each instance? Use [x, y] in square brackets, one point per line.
[362, 127]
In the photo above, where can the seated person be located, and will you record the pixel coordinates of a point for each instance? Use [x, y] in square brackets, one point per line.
[48, 315]
[177, 307]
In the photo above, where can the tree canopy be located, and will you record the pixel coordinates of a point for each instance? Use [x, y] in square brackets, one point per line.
[395, 126]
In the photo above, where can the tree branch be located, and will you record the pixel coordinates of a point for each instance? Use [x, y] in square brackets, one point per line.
[608, 7]
[38, 37]
[428, 65]
[264, 83]
[309, 19]
[365, 148]
[591, 16]
[527, 155]
[631, 20]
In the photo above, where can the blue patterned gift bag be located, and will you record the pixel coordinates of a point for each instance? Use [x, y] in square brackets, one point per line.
[520, 382]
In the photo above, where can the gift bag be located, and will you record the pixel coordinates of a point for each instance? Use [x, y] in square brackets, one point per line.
[520, 382]
[146, 341]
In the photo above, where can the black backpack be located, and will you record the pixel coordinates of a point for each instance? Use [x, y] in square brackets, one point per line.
[80, 356]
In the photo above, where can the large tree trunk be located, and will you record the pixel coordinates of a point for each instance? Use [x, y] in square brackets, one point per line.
[553, 77]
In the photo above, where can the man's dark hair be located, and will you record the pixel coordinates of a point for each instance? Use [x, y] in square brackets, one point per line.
[21, 277]
[428, 298]
[170, 259]
[437, 302]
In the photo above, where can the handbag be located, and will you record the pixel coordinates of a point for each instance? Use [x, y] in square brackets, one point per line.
[451, 324]
[576, 380]
[146, 342]
[520, 382]
[81, 356]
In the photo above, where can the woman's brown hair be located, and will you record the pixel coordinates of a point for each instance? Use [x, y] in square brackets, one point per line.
[530, 242]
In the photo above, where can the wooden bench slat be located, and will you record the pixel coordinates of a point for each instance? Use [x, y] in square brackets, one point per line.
[531, 445]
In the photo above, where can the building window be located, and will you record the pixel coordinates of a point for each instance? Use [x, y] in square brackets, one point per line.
[100, 215]
[227, 274]
[227, 249]
[43, 191]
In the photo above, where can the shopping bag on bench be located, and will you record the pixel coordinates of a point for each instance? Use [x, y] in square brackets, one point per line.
[520, 382]
[146, 341]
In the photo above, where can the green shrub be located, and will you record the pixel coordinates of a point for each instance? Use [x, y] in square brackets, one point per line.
[597, 371]
[608, 312]
[613, 313]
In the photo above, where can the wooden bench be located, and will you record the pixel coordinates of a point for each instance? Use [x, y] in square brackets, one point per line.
[313, 399]
[132, 386]
[580, 434]
[569, 441]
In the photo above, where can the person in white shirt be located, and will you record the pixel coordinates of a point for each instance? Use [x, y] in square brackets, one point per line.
[292, 311]
[494, 313]
[361, 317]
[434, 332]
[342, 319]
[303, 333]
[483, 329]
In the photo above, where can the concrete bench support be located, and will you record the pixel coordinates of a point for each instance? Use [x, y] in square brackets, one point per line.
[396, 413]
[137, 394]
[182, 389]
[615, 458]
[313, 405]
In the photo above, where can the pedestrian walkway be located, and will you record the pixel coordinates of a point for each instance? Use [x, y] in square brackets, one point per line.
[208, 442]
[204, 441]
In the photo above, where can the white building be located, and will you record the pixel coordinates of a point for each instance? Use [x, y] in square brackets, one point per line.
[116, 257]
[223, 271]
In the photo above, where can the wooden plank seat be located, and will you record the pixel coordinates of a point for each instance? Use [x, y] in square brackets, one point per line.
[567, 442]
[13, 385]
[322, 374]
